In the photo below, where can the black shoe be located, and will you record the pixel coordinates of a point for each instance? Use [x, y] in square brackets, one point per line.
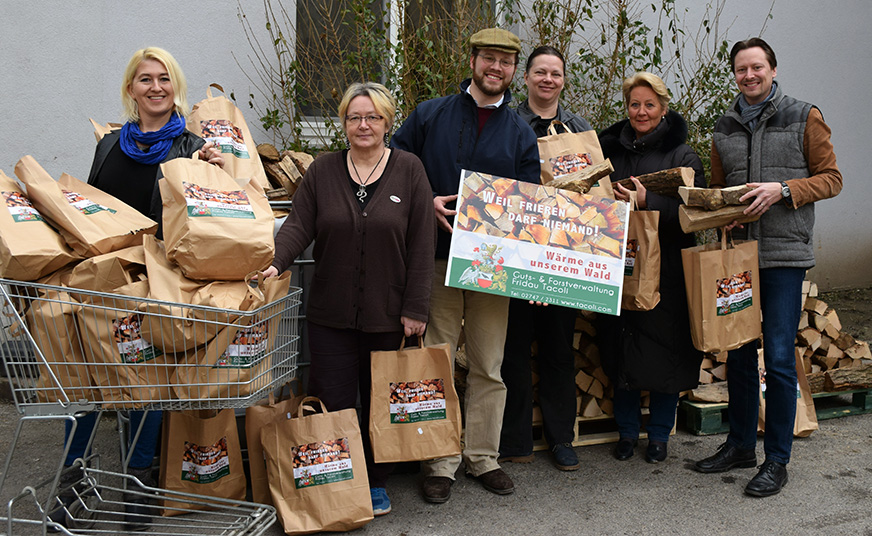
[138, 508]
[769, 480]
[624, 448]
[727, 457]
[656, 452]
[564, 457]
[73, 508]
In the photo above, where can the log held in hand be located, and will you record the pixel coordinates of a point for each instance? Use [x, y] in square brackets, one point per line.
[714, 198]
[664, 182]
[696, 218]
[582, 181]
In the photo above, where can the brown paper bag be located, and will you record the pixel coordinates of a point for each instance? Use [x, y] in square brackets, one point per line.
[805, 422]
[201, 454]
[723, 294]
[213, 227]
[415, 412]
[91, 221]
[29, 247]
[127, 369]
[104, 273]
[218, 120]
[317, 471]
[51, 321]
[641, 290]
[102, 130]
[256, 417]
[236, 363]
[562, 155]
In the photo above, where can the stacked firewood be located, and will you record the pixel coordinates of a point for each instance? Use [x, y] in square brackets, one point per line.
[832, 359]
[284, 170]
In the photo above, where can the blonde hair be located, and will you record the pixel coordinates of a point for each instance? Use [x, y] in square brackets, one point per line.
[646, 79]
[385, 103]
[177, 79]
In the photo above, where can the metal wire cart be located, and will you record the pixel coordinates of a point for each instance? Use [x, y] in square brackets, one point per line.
[69, 352]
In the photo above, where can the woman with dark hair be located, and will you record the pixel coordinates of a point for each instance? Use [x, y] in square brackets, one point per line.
[651, 350]
[551, 326]
[127, 166]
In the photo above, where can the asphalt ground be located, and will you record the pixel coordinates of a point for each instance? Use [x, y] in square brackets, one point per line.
[829, 491]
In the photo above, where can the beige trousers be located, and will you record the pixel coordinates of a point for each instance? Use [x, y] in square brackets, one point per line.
[484, 322]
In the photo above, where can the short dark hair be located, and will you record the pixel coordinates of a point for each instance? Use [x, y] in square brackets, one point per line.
[751, 43]
[546, 50]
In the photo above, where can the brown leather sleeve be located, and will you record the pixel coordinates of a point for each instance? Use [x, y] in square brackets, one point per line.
[826, 179]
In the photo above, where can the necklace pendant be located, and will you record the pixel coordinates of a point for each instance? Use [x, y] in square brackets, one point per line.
[361, 193]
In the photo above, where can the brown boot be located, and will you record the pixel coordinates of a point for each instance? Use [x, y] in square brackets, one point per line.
[436, 489]
[497, 481]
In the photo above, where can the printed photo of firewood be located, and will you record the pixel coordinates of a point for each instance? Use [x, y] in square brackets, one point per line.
[332, 450]
[236, 197]
[409, 392]
[222, 128]
[569, 163]
[507, 208]
[735, 284]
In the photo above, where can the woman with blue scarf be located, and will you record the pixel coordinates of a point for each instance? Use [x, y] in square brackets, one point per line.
[127, 166]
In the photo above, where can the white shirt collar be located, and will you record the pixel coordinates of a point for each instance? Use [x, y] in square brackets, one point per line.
[494, 105]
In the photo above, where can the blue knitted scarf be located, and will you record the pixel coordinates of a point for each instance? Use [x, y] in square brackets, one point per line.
[159, 142]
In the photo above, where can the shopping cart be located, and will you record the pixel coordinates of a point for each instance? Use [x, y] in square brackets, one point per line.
[68, 352]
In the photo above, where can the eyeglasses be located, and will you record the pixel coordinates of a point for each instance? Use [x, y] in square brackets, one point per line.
[488, 60]
[355, 120]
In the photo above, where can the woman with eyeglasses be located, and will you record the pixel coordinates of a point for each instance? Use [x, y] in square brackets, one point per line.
[369, 210]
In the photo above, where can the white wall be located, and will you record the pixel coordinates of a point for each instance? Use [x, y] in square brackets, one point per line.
[63, 63]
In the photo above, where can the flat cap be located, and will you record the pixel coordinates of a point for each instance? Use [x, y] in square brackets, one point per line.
[496, 38]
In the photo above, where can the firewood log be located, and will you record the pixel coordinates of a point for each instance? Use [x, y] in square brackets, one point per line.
[665, 182]
[584, 180]
[713, 198]
[697, 219]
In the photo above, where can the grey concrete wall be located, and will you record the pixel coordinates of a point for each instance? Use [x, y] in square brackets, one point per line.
[62, 63]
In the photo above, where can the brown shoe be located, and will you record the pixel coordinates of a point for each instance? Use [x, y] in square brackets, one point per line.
[497, 481]
[436, 489]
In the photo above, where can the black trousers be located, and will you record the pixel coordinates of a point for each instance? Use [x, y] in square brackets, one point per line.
[340, 370]
[552, 328]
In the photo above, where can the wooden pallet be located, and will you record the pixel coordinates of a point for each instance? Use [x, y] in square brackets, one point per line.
[589, 431]
[706, 419]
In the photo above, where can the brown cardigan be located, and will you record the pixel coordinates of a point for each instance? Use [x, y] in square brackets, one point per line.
[371, 266]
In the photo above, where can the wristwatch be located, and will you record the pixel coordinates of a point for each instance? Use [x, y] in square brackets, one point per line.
[785, 190]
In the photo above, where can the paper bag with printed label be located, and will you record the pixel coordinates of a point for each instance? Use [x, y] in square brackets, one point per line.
[214, 229]
[218, 120]
[29, 247]
[104, 273]
[256, 417]
[126, 368]
[316, 470]
[562, 155]
[91, 221]
[723, 294]
[52, 324]
[415, 412]
[805, 422]
[237, 363]
[642, 261]
[201, 454]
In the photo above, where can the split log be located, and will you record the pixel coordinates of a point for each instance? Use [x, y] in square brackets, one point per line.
[850, 378]
[720, 372]
[825, 363]
[583, 180]
[859, 351]
[715, 392]
[268, 151]
[819, 321]
[803, 320]
[809, 337]
[713, 198]
[697, 219]
[815, 305]
[301, 160]
[664, 182]
[816, 381]
[844, 341]
[589, 407]
[705, 377]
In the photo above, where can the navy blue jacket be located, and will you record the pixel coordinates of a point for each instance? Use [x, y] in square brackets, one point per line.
[443, 133]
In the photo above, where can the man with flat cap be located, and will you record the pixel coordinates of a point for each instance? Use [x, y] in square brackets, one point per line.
[475, 130]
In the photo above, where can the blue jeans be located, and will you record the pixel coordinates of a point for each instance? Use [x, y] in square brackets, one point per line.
[781, 302]
[628, 414]
[144, 450]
